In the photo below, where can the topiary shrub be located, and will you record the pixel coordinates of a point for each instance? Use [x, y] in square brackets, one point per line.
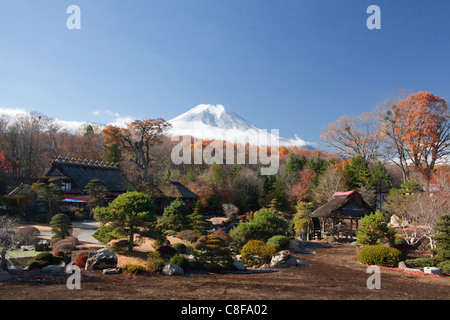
[374, 230]
[64, 245]
[213, 250]
[279, 242]
[81, 261]
[380, 256]
[419, 262]
[257, 252]
[154, 262]
[44, 259]
[35, 264]
[54, 240]
[180, 247]
[180, 261]
[444, 265]
[442, 240]
[134, 269]
[264, 224]
[72, 239]
[166, 252]
[59, 253]
[61, 226]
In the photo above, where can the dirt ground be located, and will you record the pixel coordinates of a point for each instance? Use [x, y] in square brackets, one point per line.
[333, 274]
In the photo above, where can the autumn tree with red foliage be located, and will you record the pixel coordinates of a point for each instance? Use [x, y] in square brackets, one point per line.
[300, 190]
[5, 164]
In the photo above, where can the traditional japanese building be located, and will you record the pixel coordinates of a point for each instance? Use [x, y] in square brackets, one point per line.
[171, 190]
[74, 175]
[340, 214]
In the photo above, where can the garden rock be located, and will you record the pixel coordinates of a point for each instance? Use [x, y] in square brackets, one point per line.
[173, 270]
[53, 269]
[112, 271]
[395, 221]
[4, 276]
[402, 265]
[433, 270]
[239, 266]
[42, 245]
[331, 239]
[191, 258]
[283, 259]
[101, 259]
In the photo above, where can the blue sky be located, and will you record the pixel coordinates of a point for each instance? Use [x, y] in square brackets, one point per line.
[281, 64]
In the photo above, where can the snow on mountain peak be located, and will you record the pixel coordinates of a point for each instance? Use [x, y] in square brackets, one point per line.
[214, 122]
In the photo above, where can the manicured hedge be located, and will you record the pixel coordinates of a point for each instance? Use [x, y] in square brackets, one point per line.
[279, 242]
[380, 255]
[257, 248]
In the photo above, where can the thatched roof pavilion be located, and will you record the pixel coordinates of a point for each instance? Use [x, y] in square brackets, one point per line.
[171, 190]
[75, 176]
[343, 205]
[174, 189]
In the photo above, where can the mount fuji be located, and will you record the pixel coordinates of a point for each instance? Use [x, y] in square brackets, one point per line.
[214, 122]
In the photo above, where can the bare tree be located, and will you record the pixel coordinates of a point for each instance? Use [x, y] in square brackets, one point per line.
[330, 182]
[7, 241]
[354, 136]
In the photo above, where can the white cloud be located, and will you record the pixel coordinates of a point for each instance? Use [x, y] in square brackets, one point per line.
[113, 114]
[96, 113]
[122, 122]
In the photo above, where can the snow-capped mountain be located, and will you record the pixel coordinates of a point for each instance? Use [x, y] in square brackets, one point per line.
[214, 122]
[205, 121]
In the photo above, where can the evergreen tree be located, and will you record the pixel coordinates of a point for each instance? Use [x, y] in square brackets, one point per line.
[129, 214]
[442, 239]
[112, 153]
[175, 216]
[293, 164]
[216, 176]
[379, 176]
[51, 193]
[356, 173]
[300, 220]
[197, 220]
[318, 165]
[61, 226]
[97, 191]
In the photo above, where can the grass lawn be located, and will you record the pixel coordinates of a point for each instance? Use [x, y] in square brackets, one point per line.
[20, 257]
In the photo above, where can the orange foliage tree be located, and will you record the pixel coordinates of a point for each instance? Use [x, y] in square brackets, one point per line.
[300, 190]
[203, 190]
[422, 122]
